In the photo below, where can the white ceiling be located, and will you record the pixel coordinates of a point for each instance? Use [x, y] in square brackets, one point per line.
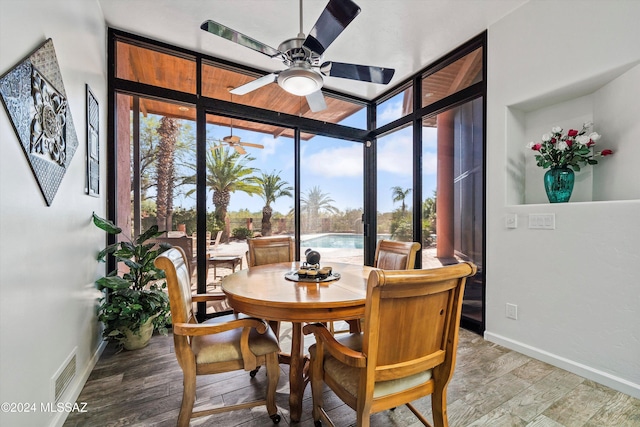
[405, 35]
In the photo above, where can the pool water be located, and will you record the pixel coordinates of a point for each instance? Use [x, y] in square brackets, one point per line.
[343, 241]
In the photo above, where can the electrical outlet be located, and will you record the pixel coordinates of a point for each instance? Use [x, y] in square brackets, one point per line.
[512, 311]
[511, 221]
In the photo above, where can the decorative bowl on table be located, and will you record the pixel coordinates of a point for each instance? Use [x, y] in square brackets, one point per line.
[312, 273]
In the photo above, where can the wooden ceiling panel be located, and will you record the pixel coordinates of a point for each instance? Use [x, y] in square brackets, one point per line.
[144, 65]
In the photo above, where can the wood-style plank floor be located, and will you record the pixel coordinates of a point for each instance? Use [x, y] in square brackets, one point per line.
[492, 386]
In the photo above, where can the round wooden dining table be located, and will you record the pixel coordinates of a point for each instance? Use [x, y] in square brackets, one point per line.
[265, 292]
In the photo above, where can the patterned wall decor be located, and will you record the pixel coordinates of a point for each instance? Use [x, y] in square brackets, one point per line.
[33, 95]
[93, 145]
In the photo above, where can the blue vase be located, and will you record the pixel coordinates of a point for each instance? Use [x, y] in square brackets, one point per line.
[558, 183]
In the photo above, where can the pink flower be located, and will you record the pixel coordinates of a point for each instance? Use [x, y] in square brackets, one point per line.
[572, 132]
[569, 142]
[607, 152]
[591, 143]
[536, 147]
[553, 140]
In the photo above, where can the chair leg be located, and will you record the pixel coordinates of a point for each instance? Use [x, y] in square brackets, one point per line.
[439, 407]
[188, 397]
[317, 386]
[273, 374]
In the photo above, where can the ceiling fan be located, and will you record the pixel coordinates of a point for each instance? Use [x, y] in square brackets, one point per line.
[234, 141]
[303, 56]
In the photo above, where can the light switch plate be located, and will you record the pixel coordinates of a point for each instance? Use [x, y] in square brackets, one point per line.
[511, 221]
[542, 221]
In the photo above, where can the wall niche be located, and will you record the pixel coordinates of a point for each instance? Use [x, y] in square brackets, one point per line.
[612, 102]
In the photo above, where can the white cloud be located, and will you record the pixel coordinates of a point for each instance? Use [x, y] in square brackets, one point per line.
[429, 137]
[271, 145]
[395, 154]
[335, 162]
[391, 111]
[429, 163]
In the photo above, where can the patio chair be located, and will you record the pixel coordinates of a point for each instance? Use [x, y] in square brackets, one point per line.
[222, 344]
[216, 243]
[407, 350]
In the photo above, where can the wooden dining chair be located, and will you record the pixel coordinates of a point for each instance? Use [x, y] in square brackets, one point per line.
[393, 255]
[389, 255]
[270, 250]
[222, 344]
[407, 349]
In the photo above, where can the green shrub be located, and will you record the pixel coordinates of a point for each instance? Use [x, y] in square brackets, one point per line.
[242, 233]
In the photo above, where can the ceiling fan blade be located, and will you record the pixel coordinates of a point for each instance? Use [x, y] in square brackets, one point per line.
[316, 101]
[239, 149]
[365, 73]
[332, 21]
[239, 38]
[250, 144]
[254, 84]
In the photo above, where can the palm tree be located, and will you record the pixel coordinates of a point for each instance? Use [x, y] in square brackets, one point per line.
[399, 194]
[272, 187]
[315, 201]
[165, 171]
[227, 172]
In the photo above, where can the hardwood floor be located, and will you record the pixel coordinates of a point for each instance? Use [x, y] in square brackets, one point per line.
[492, 386]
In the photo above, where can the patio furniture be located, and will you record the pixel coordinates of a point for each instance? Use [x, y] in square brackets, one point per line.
[407, 349]
[184, 242]
[216, 243]
[222, 344]
[229, 261]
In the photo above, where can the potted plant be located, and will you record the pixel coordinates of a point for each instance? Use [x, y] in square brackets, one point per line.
[135, 303]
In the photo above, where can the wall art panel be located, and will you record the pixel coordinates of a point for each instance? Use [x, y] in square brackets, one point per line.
[34, 97]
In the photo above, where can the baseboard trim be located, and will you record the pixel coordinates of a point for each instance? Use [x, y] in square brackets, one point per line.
[604, 378]
[72, 394]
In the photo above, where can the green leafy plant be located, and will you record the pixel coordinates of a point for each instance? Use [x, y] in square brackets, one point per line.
[242, 233]
[137, 295]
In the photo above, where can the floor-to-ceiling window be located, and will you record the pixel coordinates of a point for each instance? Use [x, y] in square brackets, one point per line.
[430, 183]
[331, 199]
[395, 185]
[407, 166]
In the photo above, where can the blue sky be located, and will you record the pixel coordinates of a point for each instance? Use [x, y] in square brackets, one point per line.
[336, 165]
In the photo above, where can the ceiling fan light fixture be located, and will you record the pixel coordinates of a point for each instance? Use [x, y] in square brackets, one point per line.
[300, 81]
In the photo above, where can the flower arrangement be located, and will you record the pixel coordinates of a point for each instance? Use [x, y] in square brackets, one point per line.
[558, 150]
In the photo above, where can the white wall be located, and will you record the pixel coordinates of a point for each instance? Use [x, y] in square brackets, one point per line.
[47, 254]
[576, 287]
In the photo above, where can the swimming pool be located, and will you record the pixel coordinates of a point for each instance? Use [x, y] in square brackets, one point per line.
[337, 240]
[344, 241]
